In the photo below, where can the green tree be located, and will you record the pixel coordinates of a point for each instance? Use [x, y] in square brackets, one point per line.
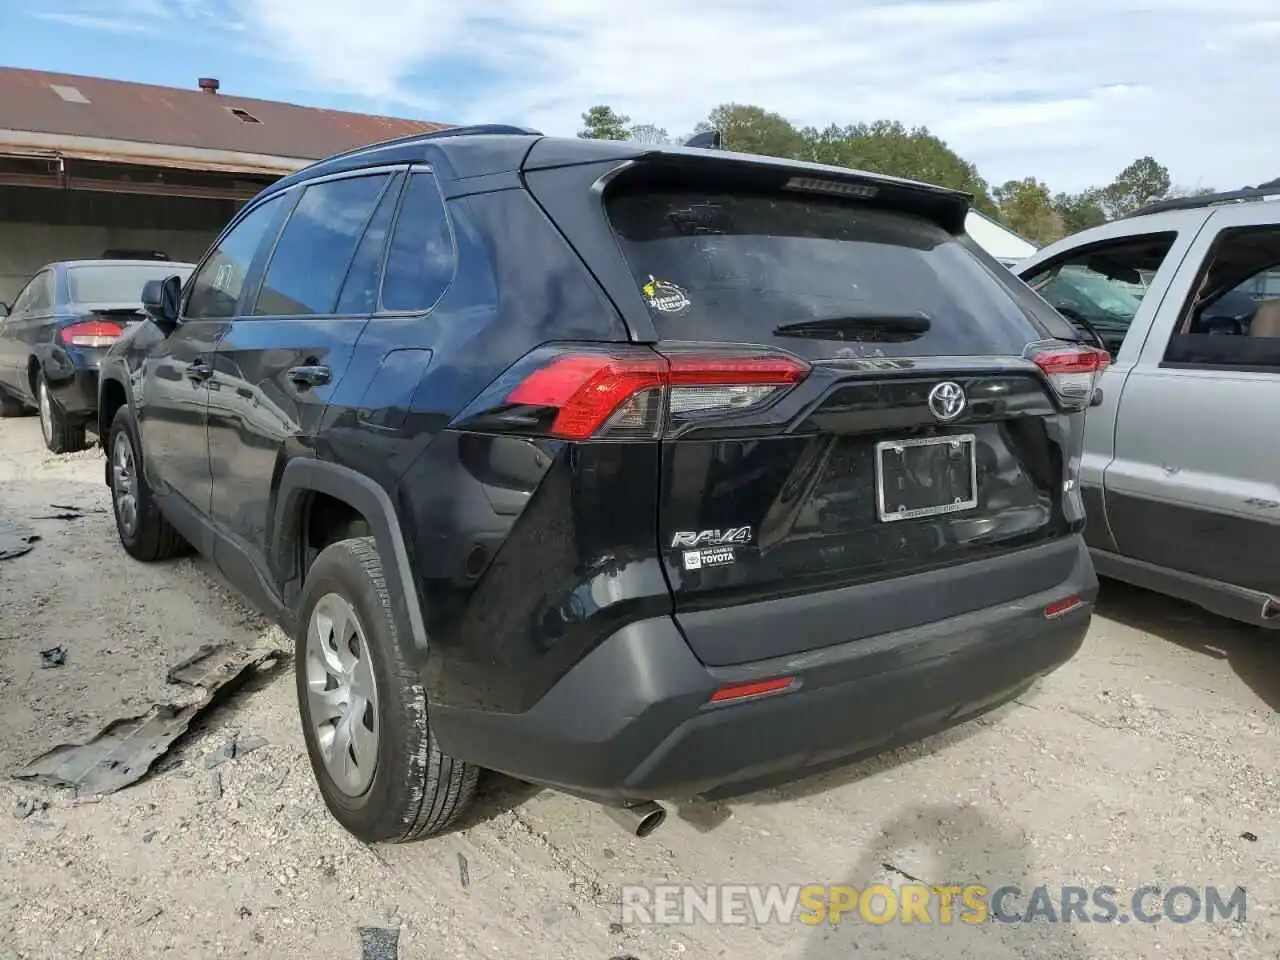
[749, 129]
[1189, 192]
[601, 123]
[648, 133]
[1027, 207]
[889, 147]
[1080, 211]
[1142, 182]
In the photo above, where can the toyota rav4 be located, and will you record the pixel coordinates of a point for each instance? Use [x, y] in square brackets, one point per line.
[638, 472]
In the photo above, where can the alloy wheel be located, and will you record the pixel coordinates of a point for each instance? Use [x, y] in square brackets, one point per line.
[46, 411]
[342, 694]
[124, 484]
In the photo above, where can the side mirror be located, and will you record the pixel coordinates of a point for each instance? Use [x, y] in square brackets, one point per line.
[160, 300]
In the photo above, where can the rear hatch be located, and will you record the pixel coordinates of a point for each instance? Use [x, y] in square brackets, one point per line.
[847, 393]
[920, 432]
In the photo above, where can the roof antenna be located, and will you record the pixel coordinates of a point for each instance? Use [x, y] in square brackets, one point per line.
[711, 140]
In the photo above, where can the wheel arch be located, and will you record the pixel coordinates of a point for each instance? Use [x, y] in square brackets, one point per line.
[112, 395]
[301, 479]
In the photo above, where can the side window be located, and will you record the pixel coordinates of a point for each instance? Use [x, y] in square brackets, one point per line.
[360, 289]
[40, 293]
[315, 248]
[420, 261]
[217, 285]
[1099, 289]
[22, 302]
[1232, 320]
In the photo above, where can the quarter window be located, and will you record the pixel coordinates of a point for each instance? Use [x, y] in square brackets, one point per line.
[313, 254]
[217, 285]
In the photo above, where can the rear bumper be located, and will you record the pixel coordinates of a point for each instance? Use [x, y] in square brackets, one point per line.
[633, 720]
[73, 381]
[78, 394]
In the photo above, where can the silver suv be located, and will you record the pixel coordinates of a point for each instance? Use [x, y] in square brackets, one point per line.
[1181, 471]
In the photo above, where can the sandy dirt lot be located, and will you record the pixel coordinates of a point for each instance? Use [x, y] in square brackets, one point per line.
[1149, 759]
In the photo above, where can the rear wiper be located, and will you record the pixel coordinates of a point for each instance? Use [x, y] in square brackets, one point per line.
[871, 327]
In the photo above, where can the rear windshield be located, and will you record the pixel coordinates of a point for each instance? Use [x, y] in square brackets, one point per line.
[735, 266]
[117, 282]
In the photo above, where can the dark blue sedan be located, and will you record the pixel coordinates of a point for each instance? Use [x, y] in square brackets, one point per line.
[53, 338]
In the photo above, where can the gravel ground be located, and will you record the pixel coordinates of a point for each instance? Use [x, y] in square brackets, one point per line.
[1149, 759]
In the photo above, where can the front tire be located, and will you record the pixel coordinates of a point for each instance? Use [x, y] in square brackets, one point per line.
[61, 435]
[144, 532]
[363, 708]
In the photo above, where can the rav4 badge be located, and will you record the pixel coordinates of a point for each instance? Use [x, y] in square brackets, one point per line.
[711, 538]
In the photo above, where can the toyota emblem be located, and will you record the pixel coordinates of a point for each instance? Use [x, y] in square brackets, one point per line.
[947, 400]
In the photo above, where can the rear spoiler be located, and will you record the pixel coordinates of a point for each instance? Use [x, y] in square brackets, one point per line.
[704, 159]
[630, 162]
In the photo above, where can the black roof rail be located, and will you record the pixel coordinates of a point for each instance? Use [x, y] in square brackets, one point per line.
[476, 130]
[1263, 190]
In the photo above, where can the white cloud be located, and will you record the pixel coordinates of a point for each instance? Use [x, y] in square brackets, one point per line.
[1066, 91]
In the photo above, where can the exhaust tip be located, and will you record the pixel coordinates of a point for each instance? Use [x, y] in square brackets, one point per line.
[639, 820]
[651, 821]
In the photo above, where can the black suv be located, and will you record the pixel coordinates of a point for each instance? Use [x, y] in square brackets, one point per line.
[636, 472]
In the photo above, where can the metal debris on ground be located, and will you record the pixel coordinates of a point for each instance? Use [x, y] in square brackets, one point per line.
[216, 758]
[26, 806]
[14, 542]
[232, 750]
[464, 871]
[215, 785]
[379, 943]
[1250, 836]
[126, 749]
[211, 665]
[53, 657]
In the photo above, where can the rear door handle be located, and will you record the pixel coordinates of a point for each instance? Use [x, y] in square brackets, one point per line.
[199, 370]
[310, 376]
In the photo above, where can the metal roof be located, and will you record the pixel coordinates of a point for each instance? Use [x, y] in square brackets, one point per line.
[44, 113]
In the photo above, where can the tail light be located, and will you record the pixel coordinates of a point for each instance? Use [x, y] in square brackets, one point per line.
[639, 393]
[1074, 371]
[91, 333]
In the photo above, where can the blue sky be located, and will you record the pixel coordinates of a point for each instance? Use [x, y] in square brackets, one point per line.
[1066, 90]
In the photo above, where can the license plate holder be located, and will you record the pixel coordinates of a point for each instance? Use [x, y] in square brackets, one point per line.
[926, 477]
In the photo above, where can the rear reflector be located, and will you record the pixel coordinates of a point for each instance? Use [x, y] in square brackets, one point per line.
[1058, 608]
[1073, 371]
[741, 691]
[636, 394]
[91, 333]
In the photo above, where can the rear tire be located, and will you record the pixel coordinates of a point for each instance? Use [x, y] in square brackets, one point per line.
[375, 759]
[12, 406]
[60, 434]
[144, 533]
